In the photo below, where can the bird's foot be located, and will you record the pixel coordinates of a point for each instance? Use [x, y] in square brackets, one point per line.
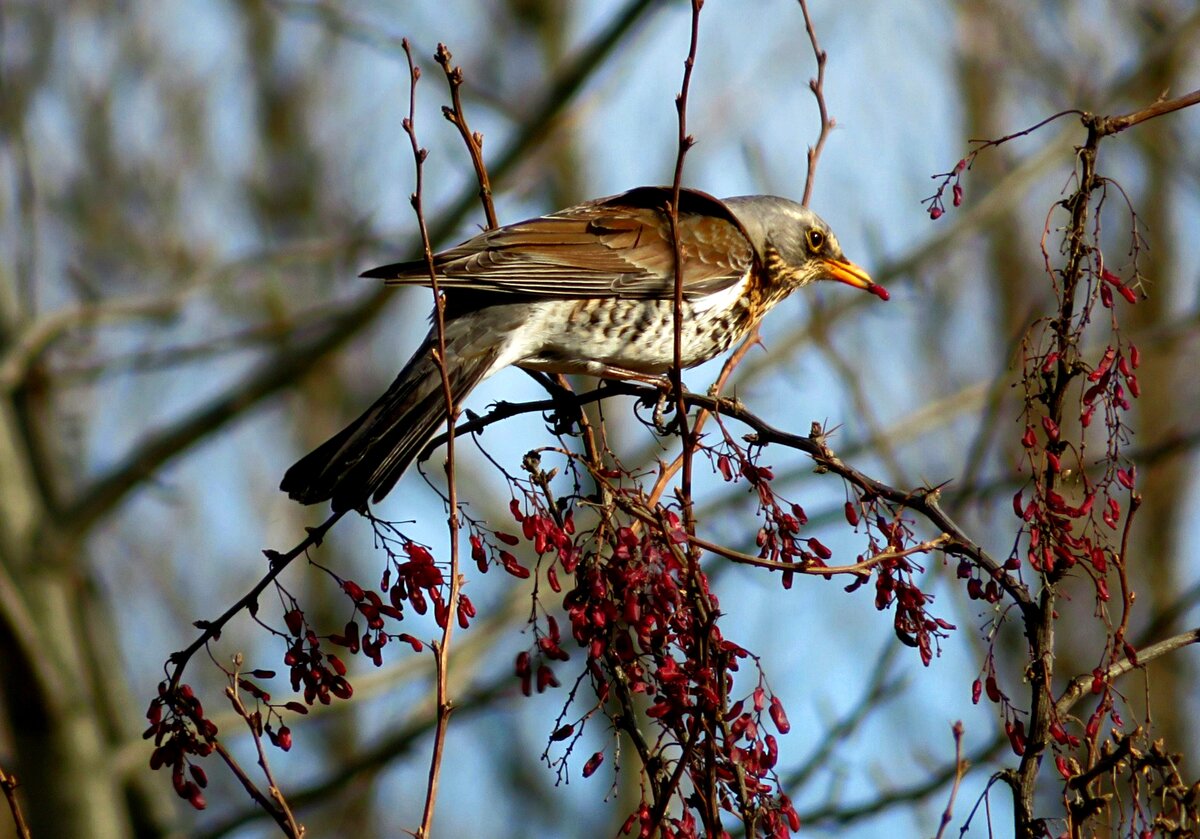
[567, 412]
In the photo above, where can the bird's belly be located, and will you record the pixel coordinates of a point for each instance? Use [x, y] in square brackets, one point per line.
[585, 336]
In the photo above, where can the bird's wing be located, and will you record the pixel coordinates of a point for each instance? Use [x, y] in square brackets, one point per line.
[612, 247]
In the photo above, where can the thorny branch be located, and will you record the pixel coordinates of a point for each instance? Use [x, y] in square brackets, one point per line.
[685, 142]
[211, 630]
[697, 595]
[1081, 685]
[924, 500]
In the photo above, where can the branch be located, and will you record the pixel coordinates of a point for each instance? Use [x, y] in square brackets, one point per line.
[688, 439]
[924, 501]
[685, 142]
[817, 86]
[1082, 684]
[369, 762]
[441, 651]
[858, 569]
[1114, 125]
[474, 140]
[273, 803]
[9, 784]
[212, 629]
[960, 769]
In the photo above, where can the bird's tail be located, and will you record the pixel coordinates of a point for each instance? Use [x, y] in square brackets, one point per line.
[366, 458]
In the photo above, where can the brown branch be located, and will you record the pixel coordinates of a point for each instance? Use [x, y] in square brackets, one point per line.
[441, 650]
[366, 764]
[249, 601]
[705, 787]
[1052, 392]
[276, 805]
[817, 86]
[1081, 685]
[9, 784]
[1107, 763]
[266, 803]
[960, 769]
[1114, 125]
[685, 142]
[731, 363]
[753, 339]
[457, 117]
[858, 569]
[924, 501]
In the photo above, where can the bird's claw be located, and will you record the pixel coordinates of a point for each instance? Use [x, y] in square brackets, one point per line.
[567, 413]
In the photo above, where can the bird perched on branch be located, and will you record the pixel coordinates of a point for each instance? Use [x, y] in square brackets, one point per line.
[589, 289]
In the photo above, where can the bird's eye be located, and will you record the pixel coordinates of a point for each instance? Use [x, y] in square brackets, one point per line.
[816, 240]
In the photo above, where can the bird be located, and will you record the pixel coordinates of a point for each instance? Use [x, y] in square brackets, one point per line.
[586, 290]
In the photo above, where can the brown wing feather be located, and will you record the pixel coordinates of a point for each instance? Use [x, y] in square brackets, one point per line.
[613, 247]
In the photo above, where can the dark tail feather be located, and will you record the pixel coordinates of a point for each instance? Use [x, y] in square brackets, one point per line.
[365, 459]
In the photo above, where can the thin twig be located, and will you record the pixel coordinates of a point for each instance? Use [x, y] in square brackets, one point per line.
[1081, 685]
[960, 769]
[441, 651]
[1113, 125]
[858, 569]
[817, 86]
[278, 807]
[456, 116]
[9, 784]
[212, 629]
[685, 142]
[709, 818]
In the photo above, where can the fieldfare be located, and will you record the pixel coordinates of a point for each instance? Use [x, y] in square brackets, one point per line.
[589, 289]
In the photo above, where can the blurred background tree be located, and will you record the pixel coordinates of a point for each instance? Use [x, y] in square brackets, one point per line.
[187, 192]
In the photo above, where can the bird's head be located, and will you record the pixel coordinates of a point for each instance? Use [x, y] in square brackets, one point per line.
[799, 242]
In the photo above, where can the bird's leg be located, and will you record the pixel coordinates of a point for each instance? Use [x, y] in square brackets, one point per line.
[662, 405]
[623, 374]
[660, 409]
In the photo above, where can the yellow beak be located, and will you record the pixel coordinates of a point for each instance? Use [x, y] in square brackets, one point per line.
[845, 271]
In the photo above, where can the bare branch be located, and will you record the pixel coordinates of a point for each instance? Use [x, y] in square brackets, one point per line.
[1113, 125]
[8, 783]
[274, 802]
[474, 140]
[1081, 685]
[249, 601]
[817, 86]
[960, 769]
[441, 651]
